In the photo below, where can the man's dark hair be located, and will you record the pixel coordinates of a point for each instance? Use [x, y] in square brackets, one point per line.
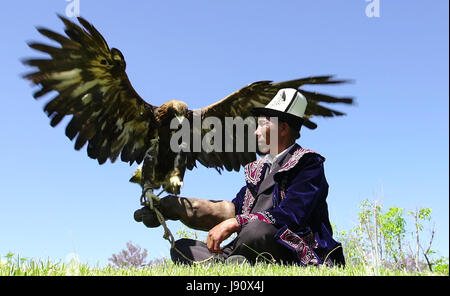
[295, 126]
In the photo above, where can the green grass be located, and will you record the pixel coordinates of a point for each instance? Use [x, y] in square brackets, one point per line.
[31, 267]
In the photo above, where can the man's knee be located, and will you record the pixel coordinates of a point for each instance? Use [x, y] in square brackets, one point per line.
[256, 232]
[256, 241]
[182, 249]
[188, 251]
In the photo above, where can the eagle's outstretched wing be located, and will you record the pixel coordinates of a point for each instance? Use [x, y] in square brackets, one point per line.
[259, 94]
[93, 87]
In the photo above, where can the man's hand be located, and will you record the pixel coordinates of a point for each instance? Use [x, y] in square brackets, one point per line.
[219, 233]
[146, 216]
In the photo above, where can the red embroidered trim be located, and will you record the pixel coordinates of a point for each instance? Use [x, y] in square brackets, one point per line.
[248, 202]
[253, 171]
[303, 250]
[262, 216]
[296, 156]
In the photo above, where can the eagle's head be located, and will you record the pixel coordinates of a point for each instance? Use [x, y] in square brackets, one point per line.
[172, 109]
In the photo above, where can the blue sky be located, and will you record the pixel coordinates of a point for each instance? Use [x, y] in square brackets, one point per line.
[393, 146]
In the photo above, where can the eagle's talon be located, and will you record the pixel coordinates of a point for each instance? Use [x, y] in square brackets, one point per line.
[175, 181]
[175, 184]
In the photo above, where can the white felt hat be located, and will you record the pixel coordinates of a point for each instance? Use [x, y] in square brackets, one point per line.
[288, 104]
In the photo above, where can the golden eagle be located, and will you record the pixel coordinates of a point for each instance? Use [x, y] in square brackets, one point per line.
[109, 115]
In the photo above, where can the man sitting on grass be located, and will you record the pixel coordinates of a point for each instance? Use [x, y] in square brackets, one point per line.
[280, 215]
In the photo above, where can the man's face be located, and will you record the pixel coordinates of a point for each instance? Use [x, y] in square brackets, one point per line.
[267, 133]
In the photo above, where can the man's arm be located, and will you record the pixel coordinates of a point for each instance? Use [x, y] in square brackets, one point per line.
[217, 217]
[196, 213]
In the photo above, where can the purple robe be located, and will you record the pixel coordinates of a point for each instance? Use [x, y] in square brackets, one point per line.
[298, 210]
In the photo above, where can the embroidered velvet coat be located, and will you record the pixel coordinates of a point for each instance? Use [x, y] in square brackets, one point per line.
[299, 209]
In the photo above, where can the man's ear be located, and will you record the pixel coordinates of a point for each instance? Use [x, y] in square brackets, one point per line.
[284, 128]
